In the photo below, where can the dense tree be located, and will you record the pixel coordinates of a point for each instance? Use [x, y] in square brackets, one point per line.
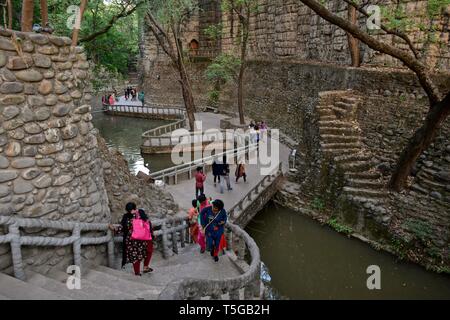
[165, 20]
[243, 9]
[439, 105]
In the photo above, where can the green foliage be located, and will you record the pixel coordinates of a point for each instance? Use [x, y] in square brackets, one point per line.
[318, 204]
[420, 229]
[223, 69]
[214, 32]
[213, 97]
[333, 222]
[172, 13]
[434, 7]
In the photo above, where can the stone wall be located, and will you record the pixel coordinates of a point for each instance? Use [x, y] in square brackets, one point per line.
[49, 162]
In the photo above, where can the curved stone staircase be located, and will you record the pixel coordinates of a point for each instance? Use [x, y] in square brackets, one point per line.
[340, 139]
[104, 283]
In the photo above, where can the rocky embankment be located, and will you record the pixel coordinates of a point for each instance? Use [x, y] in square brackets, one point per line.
[123, 187]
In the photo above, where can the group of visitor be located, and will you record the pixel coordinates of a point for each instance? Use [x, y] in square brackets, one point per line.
[207, 219]
[130, 93]
[257, 131]
[109, 99]
[221, 173]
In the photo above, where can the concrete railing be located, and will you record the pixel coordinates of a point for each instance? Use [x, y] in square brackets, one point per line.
[168, 229]
[249, 281]
[172, 233]
[247, 199]
[186, 170]
[150, 110]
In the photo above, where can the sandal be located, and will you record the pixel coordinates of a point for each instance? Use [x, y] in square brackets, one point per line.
[147, 270]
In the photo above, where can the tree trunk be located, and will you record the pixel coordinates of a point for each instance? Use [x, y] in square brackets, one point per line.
[27, 15]
[10, 13]
[419, 142]
[188, 98]
[44, 13]
[353, 43]
[76, 30]
[241, 93]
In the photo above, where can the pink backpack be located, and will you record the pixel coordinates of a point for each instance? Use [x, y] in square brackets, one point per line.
[141, 229]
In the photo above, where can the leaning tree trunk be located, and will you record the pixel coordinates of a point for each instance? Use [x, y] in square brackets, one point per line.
[10, 13]
[76, 30]
[245, 32]
[353, 43]
[241, 93]
[44, 13]
[419, 142]
[187, 97]
[27, 15]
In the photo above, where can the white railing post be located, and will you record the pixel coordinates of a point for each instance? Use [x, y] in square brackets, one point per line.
[110, 249]
[76, 233]
[16, 252]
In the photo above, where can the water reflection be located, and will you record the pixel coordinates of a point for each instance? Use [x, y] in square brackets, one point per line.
[124, 134]
[310, 261]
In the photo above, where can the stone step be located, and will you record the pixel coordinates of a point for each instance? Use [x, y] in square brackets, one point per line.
[353, 157]
[141, 291]
[357, 166]
[94, 290]
[336, 124]
[328, 117]
[339, 111]
[430, 184]
[325, 111]
[365, 184]
[338, 152]
[365, 192]
[363, 175]
[350, 100]
[16, 289]
[344, 105]
[343, 145]
[331, 138]
[361, 199]
[52, 285]
[338, 131]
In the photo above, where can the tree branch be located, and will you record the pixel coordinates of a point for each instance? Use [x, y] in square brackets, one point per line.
[161, 36]
[397, 33]
[123, 14]
[409, 60]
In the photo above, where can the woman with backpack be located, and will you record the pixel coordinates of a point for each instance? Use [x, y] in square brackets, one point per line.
[137, 238]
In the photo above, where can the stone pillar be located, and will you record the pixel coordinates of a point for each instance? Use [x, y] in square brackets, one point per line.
[49, 161]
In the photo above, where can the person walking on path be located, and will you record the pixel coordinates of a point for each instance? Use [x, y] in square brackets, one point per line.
[142, 97]
[213, 222]
[200, 178]
[216, 169]
[112, 100]
[193, 221]
[240, 172]
[225, 173]
[133, 250]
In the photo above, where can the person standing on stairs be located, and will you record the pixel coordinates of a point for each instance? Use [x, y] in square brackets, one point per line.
[202, 203]
[213, 222]
[193, 221]
[134, 251]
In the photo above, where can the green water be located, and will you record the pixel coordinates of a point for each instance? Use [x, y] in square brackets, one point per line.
[308, 261]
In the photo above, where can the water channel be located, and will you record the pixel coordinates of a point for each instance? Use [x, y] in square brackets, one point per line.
[304, 259]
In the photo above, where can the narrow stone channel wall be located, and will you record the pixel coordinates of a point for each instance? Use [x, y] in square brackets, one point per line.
[49, 161]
